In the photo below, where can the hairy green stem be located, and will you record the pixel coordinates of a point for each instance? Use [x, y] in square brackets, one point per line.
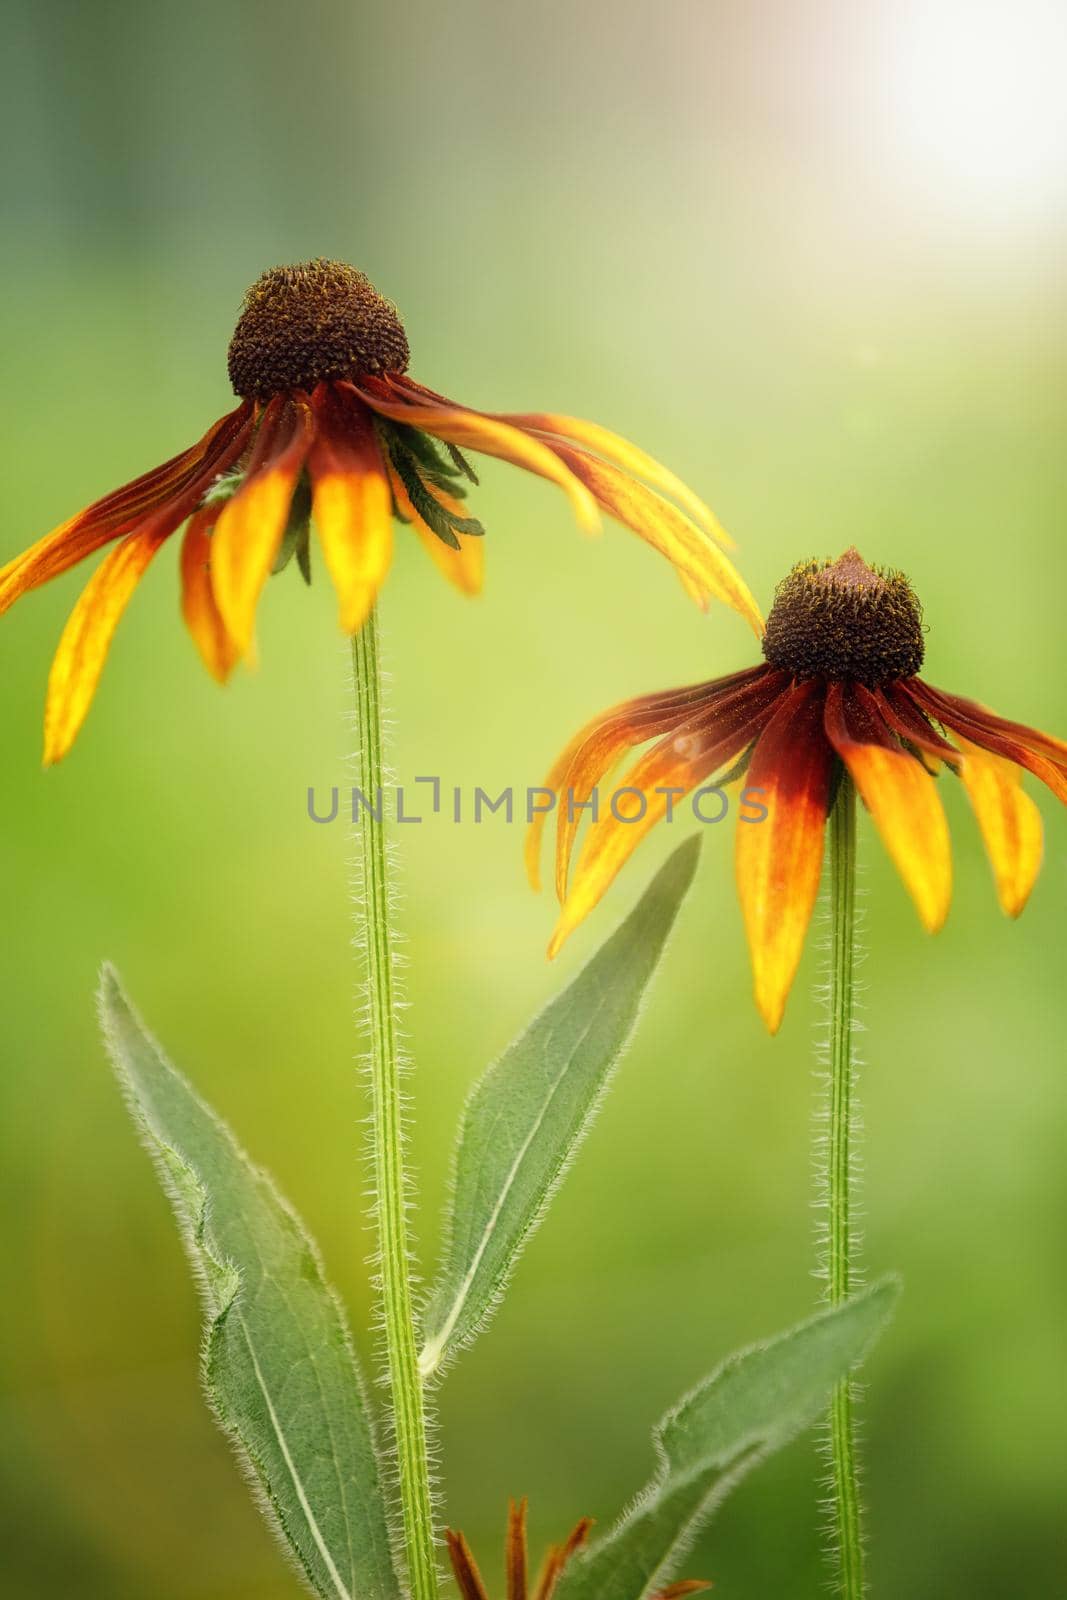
[390, 1184]
[846, 1508]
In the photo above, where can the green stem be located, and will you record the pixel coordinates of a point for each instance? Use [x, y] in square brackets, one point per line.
[387, 1132]
[846, 1507]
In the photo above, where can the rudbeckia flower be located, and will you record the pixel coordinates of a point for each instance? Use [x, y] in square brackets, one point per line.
[838, 690]
[469, 1579]
[330, 428]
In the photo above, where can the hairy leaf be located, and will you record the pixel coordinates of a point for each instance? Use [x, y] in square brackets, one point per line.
[434, 466]
[753, 1404]
[278, 1366]
[528, 1114]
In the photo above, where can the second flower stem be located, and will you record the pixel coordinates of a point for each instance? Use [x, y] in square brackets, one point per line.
[846, 1508]
[387, 1132]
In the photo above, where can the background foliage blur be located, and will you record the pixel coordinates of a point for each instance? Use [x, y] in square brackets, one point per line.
[810, 255]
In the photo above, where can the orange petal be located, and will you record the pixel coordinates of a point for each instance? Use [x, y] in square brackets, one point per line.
[202, 616]
[703, 567]
[468, 1578]
[169, 492]
[955, 707]
[675, 1591]
[1009, 821]
[87, 637]
[608, 735]
[1039, 753]
[599, 745]
[465, 567]
[900, 795]
[557, 1559]
[778, 860]
[681, 761]
[515, 1551]
[251, 525]
[592, 752]
[351, 505]
[903, 717]
[621, 453]
[471, 431]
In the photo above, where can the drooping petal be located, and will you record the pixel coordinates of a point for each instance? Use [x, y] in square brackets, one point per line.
[199, 608]
[778, 860]
[352, 505]
[592, 752]
[700, 563]
[900, 795]
[667, 772]
[465, 567]
[1010, 823]
[472, 431]
[600, 744]
[971, 711]
[1039, 753]
[903, 717]
[558, 1557]
[704, 571]
[251, 525]
[87, 637]
[169, 492]
[675, 1591]
[468, 1578]
[621, 453]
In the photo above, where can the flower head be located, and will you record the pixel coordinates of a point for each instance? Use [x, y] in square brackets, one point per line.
[838, 691]
[330, 430]
[469, 1579]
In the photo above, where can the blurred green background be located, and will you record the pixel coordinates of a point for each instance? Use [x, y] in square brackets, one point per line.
[812, 256]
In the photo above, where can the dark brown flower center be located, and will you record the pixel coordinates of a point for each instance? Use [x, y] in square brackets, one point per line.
[844, 619]
[304, 324]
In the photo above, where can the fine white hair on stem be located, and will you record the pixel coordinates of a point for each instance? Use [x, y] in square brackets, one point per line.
[377, 1008]
[837, 1154]
[821, 1074]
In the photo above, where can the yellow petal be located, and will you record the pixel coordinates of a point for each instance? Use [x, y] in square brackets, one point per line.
[703, 567]
[1039, 753]
[202, 616]
[465, 567]
[251, 526]
[1010, 823]
[900, 795]
[472, 431]
[166, 495]
[86, 640]
[621, 453]
[695, 749]
[352, 508]
[778, 860]
[591, 754]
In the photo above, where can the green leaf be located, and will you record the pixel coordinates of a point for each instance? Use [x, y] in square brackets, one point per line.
[296, 539]
[410, 470]
[433, 465]
[528, 1114]
[278, 1366]
[753, 1404]
[460, 461]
